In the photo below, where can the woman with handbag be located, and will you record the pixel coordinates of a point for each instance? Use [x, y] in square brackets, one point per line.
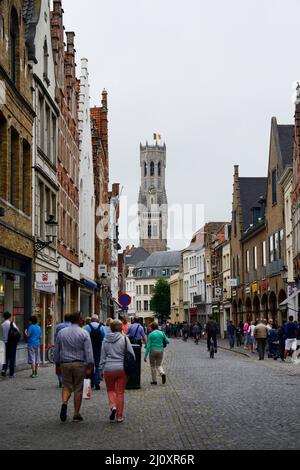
[157, 342]
[114, 358]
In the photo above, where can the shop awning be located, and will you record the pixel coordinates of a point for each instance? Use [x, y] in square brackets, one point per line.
[292, 297]
[90, 284]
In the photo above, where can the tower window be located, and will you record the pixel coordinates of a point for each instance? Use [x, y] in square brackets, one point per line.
[152, 169]
[145, 169]
[159, 169]
[14, 29]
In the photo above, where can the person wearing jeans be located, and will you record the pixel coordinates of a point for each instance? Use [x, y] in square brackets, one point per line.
[231, 331]
[112, 369]
[157, 342]
[10, 347]
[261, 334]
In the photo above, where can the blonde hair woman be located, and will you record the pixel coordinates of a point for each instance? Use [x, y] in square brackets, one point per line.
[112, 368]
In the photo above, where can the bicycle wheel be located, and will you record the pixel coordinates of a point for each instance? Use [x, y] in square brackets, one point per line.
[212, 350]
[50, 355]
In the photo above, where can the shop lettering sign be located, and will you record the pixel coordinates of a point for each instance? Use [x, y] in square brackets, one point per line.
[45, 282]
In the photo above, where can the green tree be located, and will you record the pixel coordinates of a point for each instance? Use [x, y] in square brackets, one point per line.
[161, 300]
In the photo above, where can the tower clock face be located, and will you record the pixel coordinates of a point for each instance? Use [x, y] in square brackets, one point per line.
[152, 191]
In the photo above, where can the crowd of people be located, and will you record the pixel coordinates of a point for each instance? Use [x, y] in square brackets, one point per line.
[90, 349]
[266, 336]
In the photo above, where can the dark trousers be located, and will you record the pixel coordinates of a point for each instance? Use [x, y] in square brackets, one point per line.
[231, 341]
[214, 337]
[10, 353]
[238, 340]
[96, 375]
[262, 342]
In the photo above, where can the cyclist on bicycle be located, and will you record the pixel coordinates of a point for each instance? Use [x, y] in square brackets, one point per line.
[186, 331]
[212, 330]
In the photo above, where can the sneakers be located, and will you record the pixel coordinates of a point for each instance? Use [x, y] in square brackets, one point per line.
[164, 379]
[63, 413]
[120, 420]
[78, 419]
[97, 387]
[3, 374]
[113, 414]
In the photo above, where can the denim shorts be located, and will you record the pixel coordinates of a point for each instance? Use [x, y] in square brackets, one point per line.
[34, 356]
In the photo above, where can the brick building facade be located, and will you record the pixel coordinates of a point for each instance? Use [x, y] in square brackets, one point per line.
[16, 124]
[99, 122]
[68, 164]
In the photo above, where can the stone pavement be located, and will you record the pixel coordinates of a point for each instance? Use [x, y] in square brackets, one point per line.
[232, 402]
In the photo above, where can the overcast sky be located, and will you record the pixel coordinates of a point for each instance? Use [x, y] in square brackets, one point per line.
[208, 76]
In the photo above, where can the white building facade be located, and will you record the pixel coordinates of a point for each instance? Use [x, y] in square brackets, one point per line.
[44, 175]
[87, 198]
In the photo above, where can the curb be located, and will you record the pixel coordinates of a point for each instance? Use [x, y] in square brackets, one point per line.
[235, 352]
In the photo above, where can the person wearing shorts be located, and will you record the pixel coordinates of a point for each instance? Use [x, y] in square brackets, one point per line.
[34, 334]
[291, 334]
[74, 356]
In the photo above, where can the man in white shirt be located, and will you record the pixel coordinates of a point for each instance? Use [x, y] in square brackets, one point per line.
[10, 348]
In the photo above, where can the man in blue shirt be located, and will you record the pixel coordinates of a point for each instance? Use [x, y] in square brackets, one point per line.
[97, 333]
[291, 334]
[34, 334]
[59, 328]
[136, 333]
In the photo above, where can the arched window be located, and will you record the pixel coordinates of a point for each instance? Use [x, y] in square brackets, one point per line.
[14, 32]
[46, 55]
[145, 169]
[159, 169]
[152, 169]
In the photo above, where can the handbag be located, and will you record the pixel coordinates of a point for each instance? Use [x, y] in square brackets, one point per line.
[13, 335]
[130, 366]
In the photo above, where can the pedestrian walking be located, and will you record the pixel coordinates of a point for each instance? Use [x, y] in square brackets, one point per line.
[231, 331]
[291, 335]
[107, 326]
[34, 335]
[113, 353]
[136, 333]
[196, 333]
[251, 335]
[11, 338]
[239, 335]
[74, 355]
[274, 342]
[97, 334]
[246, 335]
[58, 329]
[185, 331]
[157, 342]
[261, 336]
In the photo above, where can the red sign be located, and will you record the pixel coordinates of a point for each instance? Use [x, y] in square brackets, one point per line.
[125, 300]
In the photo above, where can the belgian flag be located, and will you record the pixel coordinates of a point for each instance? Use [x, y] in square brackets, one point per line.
[157, 136]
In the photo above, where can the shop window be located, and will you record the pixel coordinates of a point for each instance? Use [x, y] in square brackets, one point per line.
[12, 290]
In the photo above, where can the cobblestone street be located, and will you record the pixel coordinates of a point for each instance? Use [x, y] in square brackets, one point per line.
[230, 403]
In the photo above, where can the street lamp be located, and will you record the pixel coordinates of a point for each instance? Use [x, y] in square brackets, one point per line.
[51, 235]
[284, 274]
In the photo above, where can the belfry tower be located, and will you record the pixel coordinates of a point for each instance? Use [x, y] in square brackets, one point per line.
[153, 202]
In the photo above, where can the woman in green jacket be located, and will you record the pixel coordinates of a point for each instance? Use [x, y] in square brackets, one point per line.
[157, 342]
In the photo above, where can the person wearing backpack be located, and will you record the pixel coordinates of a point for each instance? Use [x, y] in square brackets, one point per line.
[11, 338]
[97, 333]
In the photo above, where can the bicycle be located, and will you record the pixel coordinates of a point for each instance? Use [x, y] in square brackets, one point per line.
[50, 354]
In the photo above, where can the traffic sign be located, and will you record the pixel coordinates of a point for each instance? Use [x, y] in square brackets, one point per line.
[125, 300]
